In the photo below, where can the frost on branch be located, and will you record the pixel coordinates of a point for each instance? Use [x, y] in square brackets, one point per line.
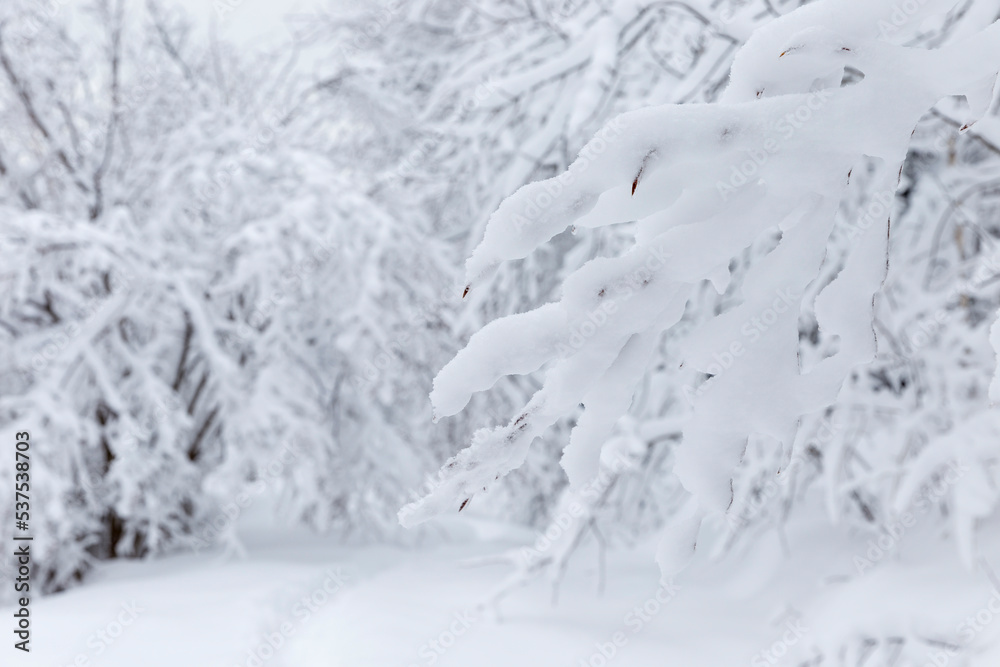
[775, 154]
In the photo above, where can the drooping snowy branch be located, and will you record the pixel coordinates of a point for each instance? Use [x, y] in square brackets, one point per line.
[704, 182]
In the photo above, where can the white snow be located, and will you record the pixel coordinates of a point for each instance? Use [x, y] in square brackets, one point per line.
[400, 607]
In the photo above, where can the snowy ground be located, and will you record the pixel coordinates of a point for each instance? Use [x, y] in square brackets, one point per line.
[324, 606]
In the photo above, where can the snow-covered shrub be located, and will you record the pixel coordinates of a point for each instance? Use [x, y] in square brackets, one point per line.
[198, 289]
[816, 97]
[507, 93]
[891, 442]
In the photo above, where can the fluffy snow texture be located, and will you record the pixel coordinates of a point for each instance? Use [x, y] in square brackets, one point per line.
[201, 293]
[230, 613]
[704, 182]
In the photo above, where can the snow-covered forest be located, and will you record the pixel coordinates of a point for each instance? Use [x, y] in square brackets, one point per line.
[500, 332]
